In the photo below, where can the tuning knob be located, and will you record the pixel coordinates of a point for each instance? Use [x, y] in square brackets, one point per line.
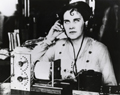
[20, 79]
[21, 63]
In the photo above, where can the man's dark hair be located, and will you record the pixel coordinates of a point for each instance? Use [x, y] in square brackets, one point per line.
[81, 7]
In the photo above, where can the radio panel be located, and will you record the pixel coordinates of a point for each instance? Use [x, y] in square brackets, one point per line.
[22, 71]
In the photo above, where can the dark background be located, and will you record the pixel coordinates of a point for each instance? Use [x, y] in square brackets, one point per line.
[43, 15]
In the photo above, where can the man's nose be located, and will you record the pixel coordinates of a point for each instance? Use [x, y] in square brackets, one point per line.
[71, 26]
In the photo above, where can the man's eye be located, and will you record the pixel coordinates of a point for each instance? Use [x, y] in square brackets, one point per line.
[66, 22]
[77, 20]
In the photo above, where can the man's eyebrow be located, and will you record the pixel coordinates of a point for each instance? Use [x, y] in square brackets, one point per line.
[65, 20]
[77, 18]
[74, 19]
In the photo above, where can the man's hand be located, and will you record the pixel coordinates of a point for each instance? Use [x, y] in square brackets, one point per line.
[55, 30]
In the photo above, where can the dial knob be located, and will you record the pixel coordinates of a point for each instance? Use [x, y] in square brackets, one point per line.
[21, 63]
[20, 79]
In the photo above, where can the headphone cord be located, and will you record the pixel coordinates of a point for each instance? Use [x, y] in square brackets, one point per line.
[75, 58]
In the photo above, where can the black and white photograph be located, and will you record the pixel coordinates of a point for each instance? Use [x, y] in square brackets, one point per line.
[59, 47]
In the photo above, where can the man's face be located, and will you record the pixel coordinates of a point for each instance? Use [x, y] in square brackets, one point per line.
[73, 23]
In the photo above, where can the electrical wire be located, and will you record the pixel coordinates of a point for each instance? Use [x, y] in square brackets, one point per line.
[75, 58]
[10, 75]
[7, 79]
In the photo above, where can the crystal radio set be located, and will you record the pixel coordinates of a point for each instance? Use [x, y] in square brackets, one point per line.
[24, 77]
[21, 69]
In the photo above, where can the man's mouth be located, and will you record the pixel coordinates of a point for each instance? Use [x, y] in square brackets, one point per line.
[71, 32]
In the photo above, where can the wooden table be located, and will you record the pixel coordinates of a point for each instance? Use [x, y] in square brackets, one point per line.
[6, 90]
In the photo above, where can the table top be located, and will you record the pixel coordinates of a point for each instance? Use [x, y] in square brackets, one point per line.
[18, 92]
[5, 89]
